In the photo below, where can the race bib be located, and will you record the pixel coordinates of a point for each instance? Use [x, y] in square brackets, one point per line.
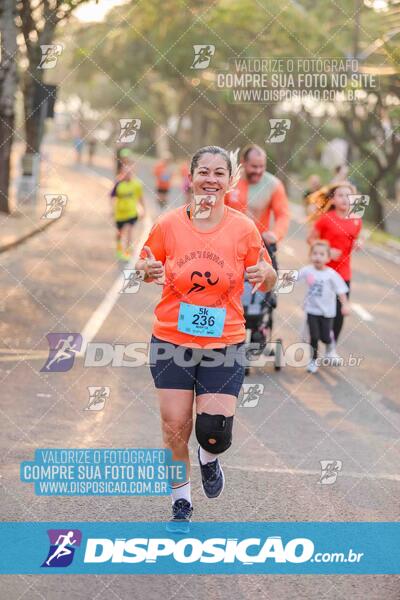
[201, 320]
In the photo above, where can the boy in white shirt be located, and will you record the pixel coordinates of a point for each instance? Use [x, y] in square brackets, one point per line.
[324, 284]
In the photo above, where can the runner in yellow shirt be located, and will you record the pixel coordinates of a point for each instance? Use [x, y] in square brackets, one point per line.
[127, 196]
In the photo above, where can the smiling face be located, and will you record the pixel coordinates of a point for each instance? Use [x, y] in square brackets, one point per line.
[210, 177]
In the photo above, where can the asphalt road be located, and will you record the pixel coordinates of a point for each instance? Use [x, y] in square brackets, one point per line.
[57, 280]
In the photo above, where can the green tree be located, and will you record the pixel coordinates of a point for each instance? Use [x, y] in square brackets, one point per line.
[37, 21]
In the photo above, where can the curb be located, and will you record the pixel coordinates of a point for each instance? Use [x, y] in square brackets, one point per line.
[19, 240]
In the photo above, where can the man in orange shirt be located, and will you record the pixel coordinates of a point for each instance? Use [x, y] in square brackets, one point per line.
[258, 194]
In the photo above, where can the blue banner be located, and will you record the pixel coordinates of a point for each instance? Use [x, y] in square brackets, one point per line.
[207, 548]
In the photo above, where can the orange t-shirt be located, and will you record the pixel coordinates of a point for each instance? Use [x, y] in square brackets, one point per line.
[204, 268]
[276, 202]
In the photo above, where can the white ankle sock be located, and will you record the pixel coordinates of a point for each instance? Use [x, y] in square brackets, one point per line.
[181, 491]
[206, 457]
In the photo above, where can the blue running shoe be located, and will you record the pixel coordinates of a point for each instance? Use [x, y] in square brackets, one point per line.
[212, 477]
[182, 510]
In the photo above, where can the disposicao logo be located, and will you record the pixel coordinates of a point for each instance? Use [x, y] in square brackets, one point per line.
[191, 550]
[62, 547]
[62, 350]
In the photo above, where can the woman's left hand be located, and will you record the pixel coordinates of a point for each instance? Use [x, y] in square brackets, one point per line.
[260, 273]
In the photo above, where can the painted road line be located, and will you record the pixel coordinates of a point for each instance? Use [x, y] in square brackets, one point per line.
[103, 310]
[361, 312]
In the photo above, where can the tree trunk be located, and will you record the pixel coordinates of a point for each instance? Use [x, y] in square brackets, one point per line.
[32, 113]
[8, 85]
[6, 138]
[375, 211]
[33, 77]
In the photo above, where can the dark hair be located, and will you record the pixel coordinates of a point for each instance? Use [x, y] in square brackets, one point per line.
[249, 148]
[210, 150]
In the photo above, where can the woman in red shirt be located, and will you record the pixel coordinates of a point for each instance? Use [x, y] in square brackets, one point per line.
[332, 222]
[199, 253]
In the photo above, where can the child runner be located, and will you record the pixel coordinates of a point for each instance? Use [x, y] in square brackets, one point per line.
[126, 195]
[331, 222]
[324, 284]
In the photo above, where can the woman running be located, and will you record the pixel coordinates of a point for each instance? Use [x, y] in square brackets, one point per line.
[126, 198]
[197, 350]
[332, 222]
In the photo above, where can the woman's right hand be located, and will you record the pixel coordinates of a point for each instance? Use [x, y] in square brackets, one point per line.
[154, 269]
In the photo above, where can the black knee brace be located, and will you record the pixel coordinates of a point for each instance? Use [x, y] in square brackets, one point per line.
[216, 428]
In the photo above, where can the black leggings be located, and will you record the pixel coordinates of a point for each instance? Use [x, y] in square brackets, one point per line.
[338, 320]
[320, 329]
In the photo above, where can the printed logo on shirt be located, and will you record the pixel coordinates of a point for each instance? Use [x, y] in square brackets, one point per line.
[197, 285]
[181, 261]
[316, 289]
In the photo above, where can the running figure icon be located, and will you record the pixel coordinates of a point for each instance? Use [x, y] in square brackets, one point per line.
[63, 349]
[62, 549]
